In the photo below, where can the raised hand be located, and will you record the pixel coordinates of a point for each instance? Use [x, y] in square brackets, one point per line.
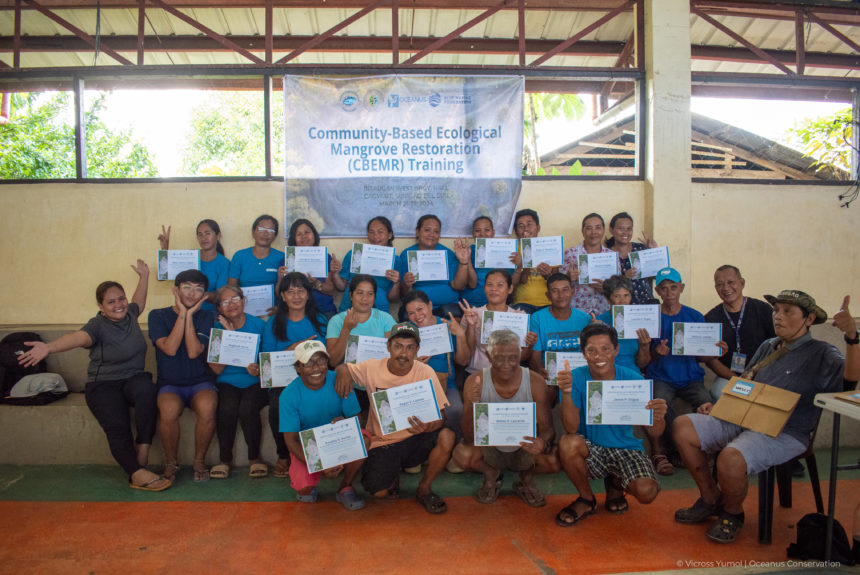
[565, 378]
[141, 268]
[648, 241]
[454, 326]
[843, 319]
[662, 348]
[462, 251]
[164, 238]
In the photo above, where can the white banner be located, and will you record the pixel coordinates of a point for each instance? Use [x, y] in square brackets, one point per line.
[402, 146]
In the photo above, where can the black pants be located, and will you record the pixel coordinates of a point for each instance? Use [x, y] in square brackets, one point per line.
[274, 422]
[237, 404]
[109, 401]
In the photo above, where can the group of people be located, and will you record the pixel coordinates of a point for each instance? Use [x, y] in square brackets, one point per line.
[769, 342]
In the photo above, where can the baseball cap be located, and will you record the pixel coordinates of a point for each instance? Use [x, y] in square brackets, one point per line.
[405, 328]
[670, 274]
[307, 349]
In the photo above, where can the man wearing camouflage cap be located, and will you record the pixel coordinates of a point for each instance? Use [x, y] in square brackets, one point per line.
[794, 361]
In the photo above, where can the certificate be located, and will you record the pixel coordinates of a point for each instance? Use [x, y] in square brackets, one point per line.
[554, 361]
[171, 262]
[503, 424]
[494, 253]
[334, 444]
[493, 320]
[696, 339]
[307, 260]
[428, 265]
[363, 347]
[232, 347]
[647, 263]
[396, 405]
[618, 402]
[435, 339]
[259, 299]
[370, 259]
[546, 250]
[277, 368]
[597, 266]
[626, 319]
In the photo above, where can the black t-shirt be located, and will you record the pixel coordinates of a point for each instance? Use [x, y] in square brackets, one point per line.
[756, 328]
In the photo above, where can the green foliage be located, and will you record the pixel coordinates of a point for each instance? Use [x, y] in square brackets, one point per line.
[541, 107]
[39, 143]
[827, 139]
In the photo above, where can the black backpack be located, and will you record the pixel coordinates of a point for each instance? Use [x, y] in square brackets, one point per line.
[11, 347]
[811, 536]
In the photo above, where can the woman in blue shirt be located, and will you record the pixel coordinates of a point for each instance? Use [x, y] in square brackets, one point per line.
[296, 319]
[213, 263]
[379, 233]
[303, 233]
[258, 265]
[240, 396]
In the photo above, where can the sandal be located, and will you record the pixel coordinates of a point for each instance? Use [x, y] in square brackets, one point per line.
[220, 471]
[489, 492]
[282, 468]
[618, 504]
[201, 472]
[662, 465]
[170, 470]
[258, 470]
[568, 516]
[150, 485]
[726, 529]
[308, 497]
[350, 499]
[530, 494]
[432, 503]
[700, 511]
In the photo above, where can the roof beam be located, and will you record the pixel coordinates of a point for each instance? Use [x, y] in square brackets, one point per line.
[563, 5]
[456, 33]
[584, 32]
[814, 18]
[755, 158]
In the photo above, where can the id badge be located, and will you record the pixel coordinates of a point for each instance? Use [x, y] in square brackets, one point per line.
[739, 361]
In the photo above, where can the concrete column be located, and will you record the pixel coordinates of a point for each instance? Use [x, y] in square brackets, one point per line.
[667, 143]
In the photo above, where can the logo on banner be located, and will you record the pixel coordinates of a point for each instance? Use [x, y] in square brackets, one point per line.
[373, 99]
[435, 99]
[349, 100]
[393, 100]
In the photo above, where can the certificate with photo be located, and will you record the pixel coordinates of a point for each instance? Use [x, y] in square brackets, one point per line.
[554, 362]
[235, 348]
[503, 424]
[646, 263]
[494, 253]
[493, 320]
[597, 266]
[371, 259]
[333, 444]
[435, 339]
[394, 406]
[698, 339]
[307, 260]
[428, 265]
[259, 299]
[626, 319]
[363, 347]
[548, 250]
[277, 368]
[172, 262]
[619, 402]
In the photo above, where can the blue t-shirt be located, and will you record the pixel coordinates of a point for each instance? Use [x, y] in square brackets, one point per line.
[239, 376]
[627, 348]
[376, 325]
[476, 296]
[216, 271]
[440, 292]
[180, 369]
[557, 335]
[439, 362]
[302, 408]
[619, 436]
[251, 271]
[296, 331]
[383, 286]
[676, 370]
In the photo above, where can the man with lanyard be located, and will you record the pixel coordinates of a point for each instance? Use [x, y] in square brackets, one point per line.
[747, 323]
[793, 360]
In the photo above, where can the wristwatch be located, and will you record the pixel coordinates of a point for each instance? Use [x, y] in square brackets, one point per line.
[852, 341]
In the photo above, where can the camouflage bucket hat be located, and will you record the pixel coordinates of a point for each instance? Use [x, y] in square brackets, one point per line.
[802, 300]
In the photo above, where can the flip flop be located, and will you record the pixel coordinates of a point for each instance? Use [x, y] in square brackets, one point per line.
[530, 494]
[201, 475]
[220, 471]
[488, 493]
[281, 469]
[148, 485]
[258, 470]
[350, 499]
[432, 503]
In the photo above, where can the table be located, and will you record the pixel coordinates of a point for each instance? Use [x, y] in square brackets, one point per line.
[838, 407]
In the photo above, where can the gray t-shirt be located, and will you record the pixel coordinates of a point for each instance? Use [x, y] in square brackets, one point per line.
[119, 348]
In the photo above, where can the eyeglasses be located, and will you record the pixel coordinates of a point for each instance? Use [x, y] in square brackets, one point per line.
[234, 299]
[188, 288]
[263, 230]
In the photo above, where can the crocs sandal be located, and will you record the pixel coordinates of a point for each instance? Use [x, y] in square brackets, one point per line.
[258, 470]
[700, 511]
[220, 471]
[662, 465]
[618, 504]
[530, 494]
[568, 516]
[281, 469]
[489, 492]
[432, 503]
[151, 485]
[726, 529]
[350, 499]
[308, 497]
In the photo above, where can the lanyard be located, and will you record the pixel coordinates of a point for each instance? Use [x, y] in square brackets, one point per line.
[737, 327]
